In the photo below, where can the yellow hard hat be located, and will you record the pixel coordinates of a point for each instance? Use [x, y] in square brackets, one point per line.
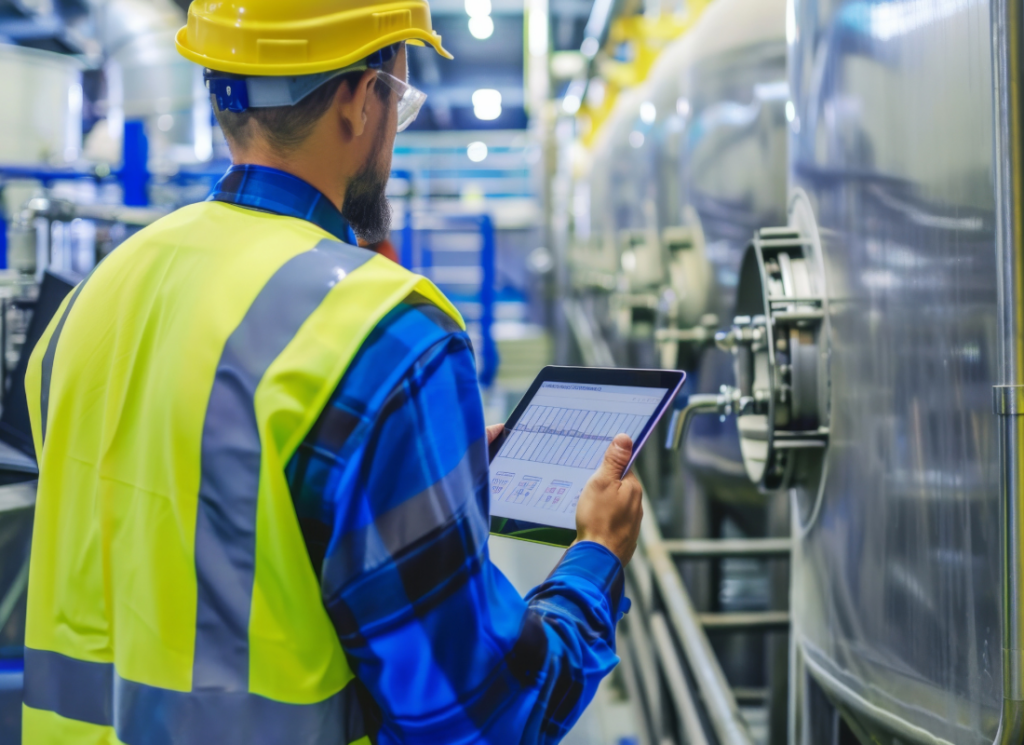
[299, 37]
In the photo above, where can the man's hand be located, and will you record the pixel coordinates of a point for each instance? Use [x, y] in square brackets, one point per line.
[610, 507]
[493, 431]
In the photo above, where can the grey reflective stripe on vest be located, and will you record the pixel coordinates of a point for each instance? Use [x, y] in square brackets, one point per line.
[51, 352]
[145, 715]
[225, 547]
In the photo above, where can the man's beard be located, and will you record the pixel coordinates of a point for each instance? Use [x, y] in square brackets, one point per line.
[366, 207]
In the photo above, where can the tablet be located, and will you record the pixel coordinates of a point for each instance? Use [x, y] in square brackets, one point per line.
[556, 438]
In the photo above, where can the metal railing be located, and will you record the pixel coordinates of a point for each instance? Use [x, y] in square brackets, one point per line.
[666, 637]
[679, 690]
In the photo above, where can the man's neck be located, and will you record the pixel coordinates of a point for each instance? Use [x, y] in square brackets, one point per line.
[298, 164]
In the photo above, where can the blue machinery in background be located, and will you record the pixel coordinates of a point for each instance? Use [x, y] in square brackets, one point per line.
[457, 253]
[134, 172]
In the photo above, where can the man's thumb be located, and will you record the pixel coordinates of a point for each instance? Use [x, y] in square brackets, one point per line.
[617, 456]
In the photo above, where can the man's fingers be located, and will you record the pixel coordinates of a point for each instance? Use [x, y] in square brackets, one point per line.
[493, 431]
[630, 478]
[632, 483]
[616, 457]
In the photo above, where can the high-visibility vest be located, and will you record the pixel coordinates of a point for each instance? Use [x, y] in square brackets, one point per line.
[171, 597]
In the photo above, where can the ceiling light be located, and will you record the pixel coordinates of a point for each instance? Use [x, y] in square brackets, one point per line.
[648, 113]
[636, 139]
[487, 115]
[477, 8]
[481, 27]
[537, 33]
[487, 104]
[571, 104]
[477, 152]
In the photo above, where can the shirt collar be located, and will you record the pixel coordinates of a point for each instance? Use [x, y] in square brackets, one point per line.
[271, 190]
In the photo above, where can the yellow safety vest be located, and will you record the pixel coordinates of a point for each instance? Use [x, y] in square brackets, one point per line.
[171, 598]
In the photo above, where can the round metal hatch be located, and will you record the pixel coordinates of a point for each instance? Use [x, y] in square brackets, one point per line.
[779, 339]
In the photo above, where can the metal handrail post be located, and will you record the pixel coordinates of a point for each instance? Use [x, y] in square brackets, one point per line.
[686, 708]
[719, 701]
[1006, 16]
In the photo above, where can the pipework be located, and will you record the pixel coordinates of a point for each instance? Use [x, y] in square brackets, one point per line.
[1008, 395]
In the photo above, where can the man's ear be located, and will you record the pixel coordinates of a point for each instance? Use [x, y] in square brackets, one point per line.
[351, 103]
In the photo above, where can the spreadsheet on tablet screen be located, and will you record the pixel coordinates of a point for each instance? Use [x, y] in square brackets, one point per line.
[558, 443]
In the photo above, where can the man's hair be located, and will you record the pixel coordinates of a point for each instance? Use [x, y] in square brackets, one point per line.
[287, 127]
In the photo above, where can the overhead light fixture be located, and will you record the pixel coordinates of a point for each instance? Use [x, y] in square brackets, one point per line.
[477, 152]
[477, 8]
[487, 104]
[481, 27]
[648, 113]
[537, 33]
[571, 104]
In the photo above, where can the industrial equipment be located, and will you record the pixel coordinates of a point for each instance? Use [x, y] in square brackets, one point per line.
[684, 171]
[831, 164]
[813, 207]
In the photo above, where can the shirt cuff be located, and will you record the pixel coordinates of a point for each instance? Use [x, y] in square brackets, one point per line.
[601, 567]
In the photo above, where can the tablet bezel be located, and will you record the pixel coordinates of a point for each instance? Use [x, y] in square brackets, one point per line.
[672, 380]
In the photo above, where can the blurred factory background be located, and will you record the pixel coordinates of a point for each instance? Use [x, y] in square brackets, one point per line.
[811, 206]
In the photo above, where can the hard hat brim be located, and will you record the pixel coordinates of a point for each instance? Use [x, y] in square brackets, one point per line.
[412, 35]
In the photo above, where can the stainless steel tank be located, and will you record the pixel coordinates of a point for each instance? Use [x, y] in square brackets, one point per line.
[689, 166]
[734, 183]
[148, 80]
[896, 565]
[41, 118]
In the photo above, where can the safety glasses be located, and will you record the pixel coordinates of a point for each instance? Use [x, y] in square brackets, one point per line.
[410, 99]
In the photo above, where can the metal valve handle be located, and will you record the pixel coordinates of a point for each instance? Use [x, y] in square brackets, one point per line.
[685, 408]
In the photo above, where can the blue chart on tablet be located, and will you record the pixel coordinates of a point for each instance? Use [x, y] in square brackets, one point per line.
[558, 443]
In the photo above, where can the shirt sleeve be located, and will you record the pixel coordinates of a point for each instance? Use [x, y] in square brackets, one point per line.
[439, 638]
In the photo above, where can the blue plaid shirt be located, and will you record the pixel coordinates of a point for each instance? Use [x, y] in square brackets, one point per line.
[391, 490]
[270, 190]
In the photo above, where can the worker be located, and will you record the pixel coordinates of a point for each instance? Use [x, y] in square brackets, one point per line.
[262, 509]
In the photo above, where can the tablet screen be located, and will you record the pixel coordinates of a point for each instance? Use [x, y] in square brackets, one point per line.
[558, 442]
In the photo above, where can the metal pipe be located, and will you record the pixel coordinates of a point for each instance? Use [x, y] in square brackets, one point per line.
[1008, 396]
[719, 702]
[63, 210]
[699, 403]
[629, 675]
[694, 335]
[647, 673]
[1009, 407]
[686, 708]
[593, 348]
[768, 620]
[715, 548]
